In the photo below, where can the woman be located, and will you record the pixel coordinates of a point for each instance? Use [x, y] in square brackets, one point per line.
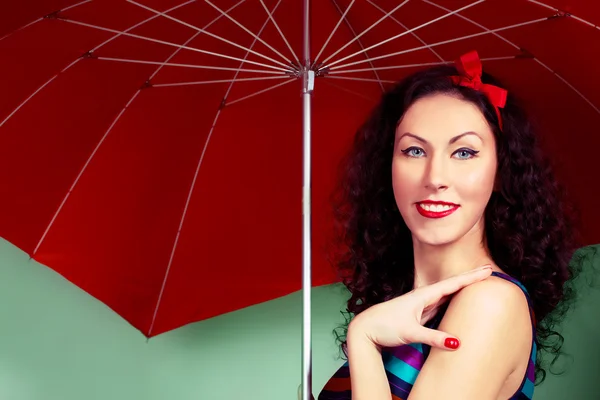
[445, 176]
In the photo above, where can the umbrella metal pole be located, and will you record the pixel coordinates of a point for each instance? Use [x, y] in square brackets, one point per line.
[307, 86]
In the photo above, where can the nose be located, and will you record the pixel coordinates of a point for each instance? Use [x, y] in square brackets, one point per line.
[435, 177]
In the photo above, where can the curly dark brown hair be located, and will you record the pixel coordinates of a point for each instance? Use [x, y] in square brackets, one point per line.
[529, 226]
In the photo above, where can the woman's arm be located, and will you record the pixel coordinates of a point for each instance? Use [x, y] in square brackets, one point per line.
[369, 380]
[394, 323]
[493, 321]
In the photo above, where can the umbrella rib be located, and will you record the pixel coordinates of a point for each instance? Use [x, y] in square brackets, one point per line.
[519, 48]
[194, 36]
[279, 30]
[60, 207]
[325, 81]
[197, 66]
[365, 31]
[191, 26]
[139, 24]
[261, 78]
[193, 184]
[31, 96]
[435, 53]
[401, 66]
[359, 43]
[248, 31]
[41, 19]
[443, 42]
[539, 3]
[256, 39]
[109, 129]
[77, 60]
[352, 78]
[335, 28]
[228, 103]
[75, 5]
[25, 26]
[569, 85]
[170, 44]
[184, 214]
[406, 32]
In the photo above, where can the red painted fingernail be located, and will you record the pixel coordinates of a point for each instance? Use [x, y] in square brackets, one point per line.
[451, 343]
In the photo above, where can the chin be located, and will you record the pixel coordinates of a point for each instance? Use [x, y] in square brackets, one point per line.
[436, 237]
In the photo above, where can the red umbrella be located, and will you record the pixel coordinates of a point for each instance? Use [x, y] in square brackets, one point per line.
[151, 150]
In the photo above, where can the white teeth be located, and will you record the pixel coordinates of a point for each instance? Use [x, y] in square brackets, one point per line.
[435, 207]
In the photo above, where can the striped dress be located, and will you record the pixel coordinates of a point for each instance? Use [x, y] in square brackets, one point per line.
[402, 364]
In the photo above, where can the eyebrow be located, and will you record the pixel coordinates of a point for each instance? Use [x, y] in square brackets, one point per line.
[451, 141]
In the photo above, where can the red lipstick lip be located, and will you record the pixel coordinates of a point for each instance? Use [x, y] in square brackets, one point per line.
[444, 203]
[436, 214]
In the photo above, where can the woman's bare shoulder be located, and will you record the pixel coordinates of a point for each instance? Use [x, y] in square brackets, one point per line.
[492, 321]
[496, 307]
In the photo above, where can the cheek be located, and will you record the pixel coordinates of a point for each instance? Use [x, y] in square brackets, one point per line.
[477, 185]
[405, 181]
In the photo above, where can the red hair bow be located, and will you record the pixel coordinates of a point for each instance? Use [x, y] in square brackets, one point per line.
[470, 70]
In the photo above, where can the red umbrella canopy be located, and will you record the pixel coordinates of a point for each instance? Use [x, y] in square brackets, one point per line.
[151, 150]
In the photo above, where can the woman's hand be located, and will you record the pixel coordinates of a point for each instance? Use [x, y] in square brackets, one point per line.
[400, 321]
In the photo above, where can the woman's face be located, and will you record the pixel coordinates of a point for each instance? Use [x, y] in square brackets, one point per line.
[443, 169]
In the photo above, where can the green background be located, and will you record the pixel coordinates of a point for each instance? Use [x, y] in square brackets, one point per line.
[59, 343]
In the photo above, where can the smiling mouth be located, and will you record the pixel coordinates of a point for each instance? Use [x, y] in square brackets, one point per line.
[436, 210]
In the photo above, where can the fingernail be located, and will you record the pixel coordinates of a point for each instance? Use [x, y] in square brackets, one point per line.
[452, 343]
[484, 267]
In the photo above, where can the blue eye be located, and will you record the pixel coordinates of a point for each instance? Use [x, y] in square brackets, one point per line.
[465, 154]
[415, 152]
[461, 154]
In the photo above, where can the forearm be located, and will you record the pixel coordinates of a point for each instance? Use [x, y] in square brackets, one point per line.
[367, 373]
